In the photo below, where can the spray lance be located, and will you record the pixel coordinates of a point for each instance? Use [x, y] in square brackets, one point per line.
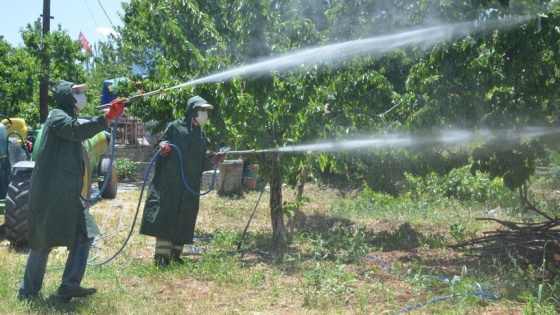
[155, 92]
[220, 155]
[137, 97]
[226, 150]
[223, 151]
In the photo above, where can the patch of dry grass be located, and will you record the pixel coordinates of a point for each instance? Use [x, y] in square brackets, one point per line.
[310, 277]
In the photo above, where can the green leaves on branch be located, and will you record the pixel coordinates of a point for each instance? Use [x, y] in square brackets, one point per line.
[514, 162]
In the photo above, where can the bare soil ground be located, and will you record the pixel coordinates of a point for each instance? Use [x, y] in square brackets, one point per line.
[390, 266]
[392, 276]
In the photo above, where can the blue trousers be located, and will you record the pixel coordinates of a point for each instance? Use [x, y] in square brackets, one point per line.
[74, 269]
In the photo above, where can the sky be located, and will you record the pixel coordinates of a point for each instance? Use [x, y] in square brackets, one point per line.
[94, 18]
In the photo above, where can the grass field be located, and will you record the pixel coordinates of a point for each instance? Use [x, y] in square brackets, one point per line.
[350, 255]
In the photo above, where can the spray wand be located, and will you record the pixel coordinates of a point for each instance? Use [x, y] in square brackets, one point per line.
[156, 92]
[138, 96]
[226, 150]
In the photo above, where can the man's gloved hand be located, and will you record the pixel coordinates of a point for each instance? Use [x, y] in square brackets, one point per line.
[219, 158]
[116, 109]
[165, 148]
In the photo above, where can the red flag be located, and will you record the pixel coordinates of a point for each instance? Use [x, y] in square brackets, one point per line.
[85, 44]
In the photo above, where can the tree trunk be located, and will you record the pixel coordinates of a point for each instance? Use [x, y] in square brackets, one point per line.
[301, 182]
[276, 211]
[523, 193]
[298, 217]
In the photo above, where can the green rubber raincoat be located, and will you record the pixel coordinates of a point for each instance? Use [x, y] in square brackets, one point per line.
[55, 207]
[171, 210]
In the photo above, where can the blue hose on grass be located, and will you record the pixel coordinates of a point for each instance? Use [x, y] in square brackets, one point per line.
[446, 297]
[481, 293]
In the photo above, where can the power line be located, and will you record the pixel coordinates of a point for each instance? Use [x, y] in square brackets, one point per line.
[92, 16]
[102, 8]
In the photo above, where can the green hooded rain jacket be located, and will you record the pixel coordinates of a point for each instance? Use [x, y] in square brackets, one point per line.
[171, 210]
[55, 208]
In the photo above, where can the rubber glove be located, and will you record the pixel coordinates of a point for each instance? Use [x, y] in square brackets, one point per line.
[165, 148]
[116, 109]
[219, 158]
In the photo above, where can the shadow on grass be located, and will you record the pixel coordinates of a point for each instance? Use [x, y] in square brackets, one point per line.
[21, 250]
[325, 238]
[52, 304]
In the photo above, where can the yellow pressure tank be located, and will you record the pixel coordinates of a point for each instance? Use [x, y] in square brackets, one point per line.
[17, 125]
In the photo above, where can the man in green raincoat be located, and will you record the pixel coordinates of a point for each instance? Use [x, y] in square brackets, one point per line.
[56, 215]
[171, 209]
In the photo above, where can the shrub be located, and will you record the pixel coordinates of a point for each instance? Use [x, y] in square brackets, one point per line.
[459, 184]
[126, 168]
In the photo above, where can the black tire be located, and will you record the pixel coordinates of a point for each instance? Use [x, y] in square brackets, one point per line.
[110, 191]
[4, 177]
[17, 205]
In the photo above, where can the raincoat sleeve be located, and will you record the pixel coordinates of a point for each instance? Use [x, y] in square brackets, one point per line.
[71, 129]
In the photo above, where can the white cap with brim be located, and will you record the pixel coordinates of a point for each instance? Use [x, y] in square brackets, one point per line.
[206, 106]
[79, 88]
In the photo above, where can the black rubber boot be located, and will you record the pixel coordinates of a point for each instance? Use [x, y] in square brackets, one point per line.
[176, 257]
[161, 261]
[67, 293]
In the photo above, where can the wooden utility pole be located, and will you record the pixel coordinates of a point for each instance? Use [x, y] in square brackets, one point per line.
[46, 61]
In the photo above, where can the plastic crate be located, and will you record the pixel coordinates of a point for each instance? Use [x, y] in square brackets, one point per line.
[207, 179]
[250, 177]
[250, 183]
[229, 179]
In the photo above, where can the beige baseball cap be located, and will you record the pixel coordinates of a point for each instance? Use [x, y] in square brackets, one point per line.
[79, 88]
[206, 107]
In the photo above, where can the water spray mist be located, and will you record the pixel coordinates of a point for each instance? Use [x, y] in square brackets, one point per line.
[337, 53]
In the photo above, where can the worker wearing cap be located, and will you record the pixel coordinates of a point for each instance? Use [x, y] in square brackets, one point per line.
[56, 215]
[171, 209]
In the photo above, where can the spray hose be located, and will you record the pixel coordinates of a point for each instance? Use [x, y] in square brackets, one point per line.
[223, 151]
[144, 181]
[135, 215]
[185, 183]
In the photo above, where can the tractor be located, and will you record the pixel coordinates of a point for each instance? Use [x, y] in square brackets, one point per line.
[18, 151]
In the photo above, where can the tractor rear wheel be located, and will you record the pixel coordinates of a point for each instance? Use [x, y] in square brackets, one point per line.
[17, 205]
[110, 191]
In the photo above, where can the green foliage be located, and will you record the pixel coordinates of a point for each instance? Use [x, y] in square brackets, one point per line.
[459, 184]
[126, 168]
[458, 231]
[289, 208]
[386, 171]
[514, 162]
[329, 279]
[544, 302]
[21, 69]
[553, 163]
[19, 76]
[502, 77]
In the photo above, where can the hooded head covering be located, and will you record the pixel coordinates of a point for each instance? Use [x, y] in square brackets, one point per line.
[194, 104]
[62, 92]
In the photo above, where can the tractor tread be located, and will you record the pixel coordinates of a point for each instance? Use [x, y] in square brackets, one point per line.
[17, 205]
